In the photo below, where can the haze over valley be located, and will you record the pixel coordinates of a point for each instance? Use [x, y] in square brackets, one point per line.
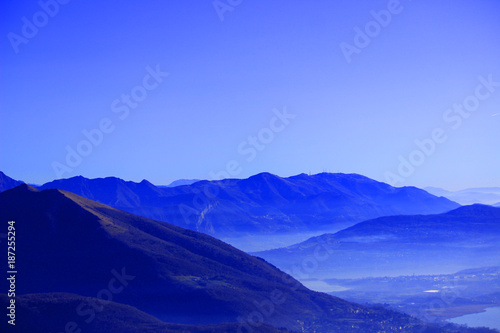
[230, 166]
[371, 259]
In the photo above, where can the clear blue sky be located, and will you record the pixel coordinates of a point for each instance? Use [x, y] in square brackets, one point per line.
[227, 80]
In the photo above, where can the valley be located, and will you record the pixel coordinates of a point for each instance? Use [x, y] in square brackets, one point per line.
[429, 297]
[396, 273]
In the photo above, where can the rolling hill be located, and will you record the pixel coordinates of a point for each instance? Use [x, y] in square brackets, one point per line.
[466, 237]
[56, 312]
[69, 244]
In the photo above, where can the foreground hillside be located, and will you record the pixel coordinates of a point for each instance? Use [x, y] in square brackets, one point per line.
[66, 243]
[57, 312]
[263, 203]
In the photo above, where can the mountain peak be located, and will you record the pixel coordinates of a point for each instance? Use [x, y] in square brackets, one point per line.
[264, 175]
[297, 203]
[146, 182]
[476, 210]
[23, 188]
[174, 273]
[76, 179]
[263, 178]
[6, 183]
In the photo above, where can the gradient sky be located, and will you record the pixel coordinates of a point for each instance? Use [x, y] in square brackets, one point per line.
[228, 79]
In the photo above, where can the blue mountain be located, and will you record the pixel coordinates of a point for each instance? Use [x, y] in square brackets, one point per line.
[6, 183]
[72, 245]
[264, 203]
[466, 237]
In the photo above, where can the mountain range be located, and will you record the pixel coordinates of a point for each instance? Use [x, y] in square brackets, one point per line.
[71, 251]
[261, 204]
[466, 237]
[469, 196]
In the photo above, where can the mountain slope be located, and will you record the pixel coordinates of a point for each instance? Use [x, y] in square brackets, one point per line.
[263, 203]
[402, 245]
[55, 312]
[6, 183]
[66, 243]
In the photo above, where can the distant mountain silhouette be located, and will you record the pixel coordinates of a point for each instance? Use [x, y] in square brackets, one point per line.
[468, 236]
[480, 195]
[6, 183]
[67, 243]
[263, 203]
[464, 223]
[181, 182]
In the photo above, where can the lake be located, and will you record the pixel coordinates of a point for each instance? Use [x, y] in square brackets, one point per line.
[490, 318]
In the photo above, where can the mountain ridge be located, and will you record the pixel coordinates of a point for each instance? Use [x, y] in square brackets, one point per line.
[263, 203]
[403, 245]
[74, 245]
[6, 183]
[468, 196]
